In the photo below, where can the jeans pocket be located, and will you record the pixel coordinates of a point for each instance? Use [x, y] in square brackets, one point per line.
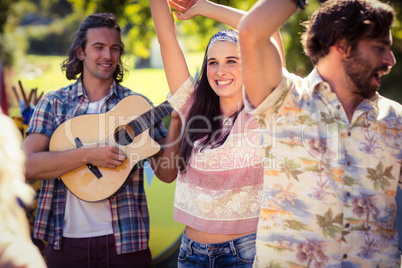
[246, 253]
[182, 253]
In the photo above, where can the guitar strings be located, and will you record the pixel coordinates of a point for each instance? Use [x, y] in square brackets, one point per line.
[143, 122]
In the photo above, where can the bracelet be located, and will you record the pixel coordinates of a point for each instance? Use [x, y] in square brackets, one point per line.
[301, 3]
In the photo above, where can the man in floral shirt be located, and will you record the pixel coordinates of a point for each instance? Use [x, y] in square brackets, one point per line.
[332, 143]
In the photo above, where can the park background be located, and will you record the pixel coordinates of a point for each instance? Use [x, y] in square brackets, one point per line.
[35, 36]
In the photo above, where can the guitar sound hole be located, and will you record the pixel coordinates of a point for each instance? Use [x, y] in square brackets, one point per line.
[124, 135]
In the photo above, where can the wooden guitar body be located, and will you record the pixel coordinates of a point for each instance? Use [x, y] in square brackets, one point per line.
[102, 129]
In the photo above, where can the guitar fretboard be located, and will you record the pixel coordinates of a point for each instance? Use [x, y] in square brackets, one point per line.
[143, 122]
[149, 118]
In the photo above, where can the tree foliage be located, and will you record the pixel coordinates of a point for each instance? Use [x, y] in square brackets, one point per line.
[5, 55]
[63, 17]
[4, 7]
[136, 19]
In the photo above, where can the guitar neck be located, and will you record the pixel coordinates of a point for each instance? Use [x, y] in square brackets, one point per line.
[146, 120]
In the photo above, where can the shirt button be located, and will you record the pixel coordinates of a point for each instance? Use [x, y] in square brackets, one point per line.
[345, 256]
[338, 106]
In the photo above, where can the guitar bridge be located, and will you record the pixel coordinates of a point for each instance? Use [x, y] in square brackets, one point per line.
[94, 169]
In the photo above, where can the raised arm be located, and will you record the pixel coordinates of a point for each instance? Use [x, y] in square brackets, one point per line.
[174, 63]
[262, 55]
[165, 162]
[189, 9]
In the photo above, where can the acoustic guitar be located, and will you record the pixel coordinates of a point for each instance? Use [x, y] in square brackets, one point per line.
[126, 126]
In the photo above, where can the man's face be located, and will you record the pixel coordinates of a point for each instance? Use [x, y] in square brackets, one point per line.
[101, 54]
[367, 63]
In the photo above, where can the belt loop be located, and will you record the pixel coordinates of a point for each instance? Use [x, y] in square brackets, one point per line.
[233, 248]
[190, 246]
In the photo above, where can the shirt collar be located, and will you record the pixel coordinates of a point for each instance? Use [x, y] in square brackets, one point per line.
[370, 106]
[313, 79]
[315, 82]
[310, 83]
[79, 91]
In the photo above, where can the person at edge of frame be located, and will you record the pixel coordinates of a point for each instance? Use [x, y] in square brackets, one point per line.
[16, 247]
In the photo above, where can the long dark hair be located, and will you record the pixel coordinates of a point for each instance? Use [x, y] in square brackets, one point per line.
[74, 66]
[353, 21]
[204, 114]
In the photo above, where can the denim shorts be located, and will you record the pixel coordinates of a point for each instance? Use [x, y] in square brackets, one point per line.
[239, 252]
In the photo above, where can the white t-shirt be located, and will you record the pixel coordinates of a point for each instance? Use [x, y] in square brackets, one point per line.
[87, 219]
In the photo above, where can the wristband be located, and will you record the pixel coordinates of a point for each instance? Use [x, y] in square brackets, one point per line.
[301, 3]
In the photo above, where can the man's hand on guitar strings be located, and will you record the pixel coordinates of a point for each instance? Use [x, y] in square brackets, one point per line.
[105, 156]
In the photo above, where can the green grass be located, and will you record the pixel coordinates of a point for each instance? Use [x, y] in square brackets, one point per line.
[164, 230]
[149, 82]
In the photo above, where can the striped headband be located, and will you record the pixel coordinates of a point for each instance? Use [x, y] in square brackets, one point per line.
[226, 35]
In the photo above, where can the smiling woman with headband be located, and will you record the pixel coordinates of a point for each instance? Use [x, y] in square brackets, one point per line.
[219, 185]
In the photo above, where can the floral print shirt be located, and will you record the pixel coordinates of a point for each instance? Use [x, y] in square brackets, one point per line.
[330, 184]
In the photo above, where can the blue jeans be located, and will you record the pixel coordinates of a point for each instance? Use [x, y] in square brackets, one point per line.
[239, 252]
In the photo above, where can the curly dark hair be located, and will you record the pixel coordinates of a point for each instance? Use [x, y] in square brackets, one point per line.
[351, 20]
[74, 66]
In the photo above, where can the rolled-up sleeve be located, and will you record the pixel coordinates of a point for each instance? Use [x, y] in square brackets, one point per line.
[42, 119]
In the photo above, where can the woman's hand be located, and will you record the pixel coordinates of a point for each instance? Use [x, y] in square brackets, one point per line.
[188, 9]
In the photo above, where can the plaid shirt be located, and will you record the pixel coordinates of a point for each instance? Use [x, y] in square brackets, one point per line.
[129, 209]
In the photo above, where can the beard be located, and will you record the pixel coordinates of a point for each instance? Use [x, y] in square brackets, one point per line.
[361, 73]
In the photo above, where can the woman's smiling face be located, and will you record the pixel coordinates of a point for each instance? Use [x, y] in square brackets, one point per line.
[224, 69]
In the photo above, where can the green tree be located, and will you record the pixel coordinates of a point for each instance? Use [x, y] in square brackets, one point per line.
[5, 55]
[136, 20]
[138, 30]
[391, 84]
[4, 7]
